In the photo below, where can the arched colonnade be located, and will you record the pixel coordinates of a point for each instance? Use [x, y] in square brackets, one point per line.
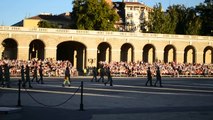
[77, 52]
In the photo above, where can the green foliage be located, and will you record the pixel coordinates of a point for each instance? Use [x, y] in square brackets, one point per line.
[205, 11]
[184, 20]
[93, 15]
[46, 24]
[181, 20]
[157, 20]
[193, 23]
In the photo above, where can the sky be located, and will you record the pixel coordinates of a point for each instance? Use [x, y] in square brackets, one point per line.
[13, 11]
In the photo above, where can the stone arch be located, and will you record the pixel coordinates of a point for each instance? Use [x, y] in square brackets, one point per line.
[149, 53]
[169, 54]
[208, 55]
[10, 50]
[73, 51]
[36, 49]
[189, 54]
[127, 53]
[104, 52]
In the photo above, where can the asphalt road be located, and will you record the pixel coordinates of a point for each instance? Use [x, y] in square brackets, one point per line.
[127, 99]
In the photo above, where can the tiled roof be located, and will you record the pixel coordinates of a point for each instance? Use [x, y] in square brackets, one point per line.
[133, 3]
[51, 17]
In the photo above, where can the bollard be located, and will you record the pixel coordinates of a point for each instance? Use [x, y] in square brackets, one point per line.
[81, 104]
[19, 93]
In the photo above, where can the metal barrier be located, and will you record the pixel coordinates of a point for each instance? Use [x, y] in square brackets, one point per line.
[45, 105]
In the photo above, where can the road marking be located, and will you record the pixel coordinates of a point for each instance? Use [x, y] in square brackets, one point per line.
[128, 86]
[106, 89]
[62, 92]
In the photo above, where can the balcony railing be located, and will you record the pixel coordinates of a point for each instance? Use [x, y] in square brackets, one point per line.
[105, 33]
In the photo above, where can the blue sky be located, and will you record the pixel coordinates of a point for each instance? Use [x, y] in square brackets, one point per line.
[13, 11]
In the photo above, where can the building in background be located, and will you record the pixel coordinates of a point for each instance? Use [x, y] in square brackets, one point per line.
[60, 21]
[133, 15]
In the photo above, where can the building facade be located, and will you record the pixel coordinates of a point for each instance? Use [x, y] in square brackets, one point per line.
[60, 21]
[86, 48]
[132, 15]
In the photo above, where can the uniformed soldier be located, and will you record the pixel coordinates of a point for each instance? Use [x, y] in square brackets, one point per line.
[102, 72]
[7, 75]
[94, 72]
[35, 74]
[27, 72]
[158, 77]
[22, 74]
[149, 77]
[66, 78]
[41, 75]
[68, 73]
[1, 76]
[108, 72]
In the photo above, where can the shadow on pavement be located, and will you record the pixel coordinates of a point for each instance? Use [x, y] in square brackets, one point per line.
[42, 113]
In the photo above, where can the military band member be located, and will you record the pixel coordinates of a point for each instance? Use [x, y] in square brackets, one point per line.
[149, 77]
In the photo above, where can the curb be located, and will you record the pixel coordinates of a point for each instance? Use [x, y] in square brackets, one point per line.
[8, 110]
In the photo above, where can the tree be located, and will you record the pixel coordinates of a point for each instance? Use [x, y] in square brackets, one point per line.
[205, 11]
[209, 2]
[46, 24]
[158, 22]
[93, 15]
[193, 22]
[184, 20]
[173, 19]
[176, 20]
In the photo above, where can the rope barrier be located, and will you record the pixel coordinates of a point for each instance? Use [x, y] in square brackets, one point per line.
[56, 104]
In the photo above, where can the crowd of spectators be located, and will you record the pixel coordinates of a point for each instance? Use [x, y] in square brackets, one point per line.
[56, 68]
[50, 66]
[168, 69]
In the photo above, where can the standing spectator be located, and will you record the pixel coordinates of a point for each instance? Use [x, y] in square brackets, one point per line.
[158, 77]
[109, 76]
[27, 72]
[94, 72]
[205, 71]
[149, 77]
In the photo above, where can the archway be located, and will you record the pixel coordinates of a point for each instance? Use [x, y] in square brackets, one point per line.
[104, 52]
[169, 54]
[208, 55]
[73, 51]
[149, 53]
[10, 49]
[36, 50]
[189, 54]
[127, 52]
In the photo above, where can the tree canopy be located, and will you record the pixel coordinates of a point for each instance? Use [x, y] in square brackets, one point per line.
[93, 15]
[205, 11]
[178, 19]
[47, 24]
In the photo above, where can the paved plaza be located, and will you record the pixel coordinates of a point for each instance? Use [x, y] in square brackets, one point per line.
[127, 99]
